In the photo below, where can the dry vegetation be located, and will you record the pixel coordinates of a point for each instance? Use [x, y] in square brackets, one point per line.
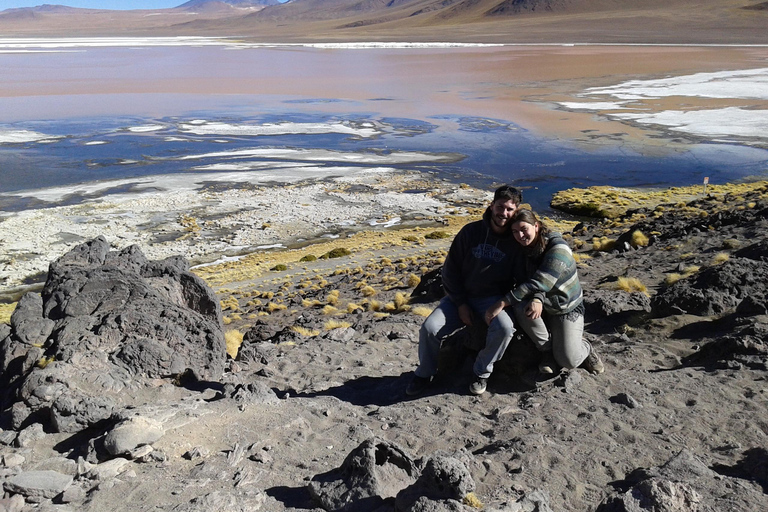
[612, 202]
[6, 310]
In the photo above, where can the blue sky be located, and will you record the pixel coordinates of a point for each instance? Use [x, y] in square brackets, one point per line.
[95, 4]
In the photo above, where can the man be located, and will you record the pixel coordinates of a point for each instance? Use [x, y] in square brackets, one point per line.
[477, 272]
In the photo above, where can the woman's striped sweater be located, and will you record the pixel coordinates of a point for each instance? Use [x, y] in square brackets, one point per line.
[552, 277]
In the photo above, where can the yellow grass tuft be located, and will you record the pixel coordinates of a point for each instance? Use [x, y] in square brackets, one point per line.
[6, 310]
[604, 244]
[639, 239]
[401, 300]
[413, 280]
[272, 307]
[690, 270]
[44, 361]
[304, 331]
[330, 310]
[720, 257]
[230, 303]
[672, 278]
[631, 285]
[352, 307]
[422, 311]
[580, 256]
[336, 324]
[333, 297]
[368, 291]
[233, 339]
[473, 501]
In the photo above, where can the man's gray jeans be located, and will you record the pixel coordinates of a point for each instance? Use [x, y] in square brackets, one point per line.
[445, 320]
[558, 333]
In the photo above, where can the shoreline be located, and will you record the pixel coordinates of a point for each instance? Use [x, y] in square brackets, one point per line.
[204, 226]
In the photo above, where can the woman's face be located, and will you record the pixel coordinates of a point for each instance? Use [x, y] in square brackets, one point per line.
[525, 233]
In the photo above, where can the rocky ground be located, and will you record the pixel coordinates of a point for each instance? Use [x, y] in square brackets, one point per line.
[676, 306]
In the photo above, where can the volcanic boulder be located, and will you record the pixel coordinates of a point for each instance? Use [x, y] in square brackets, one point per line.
[106, 322]
[717, 289]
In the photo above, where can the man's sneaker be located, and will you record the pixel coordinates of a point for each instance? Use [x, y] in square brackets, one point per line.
[547, 363]
[417, 385]
[592, 363]
[478, 386]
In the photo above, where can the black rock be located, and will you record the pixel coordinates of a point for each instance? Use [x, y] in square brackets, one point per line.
[108, 321]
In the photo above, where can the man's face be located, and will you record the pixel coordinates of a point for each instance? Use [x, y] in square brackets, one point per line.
[501, 213]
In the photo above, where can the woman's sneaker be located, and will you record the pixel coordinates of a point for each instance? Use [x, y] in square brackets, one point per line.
[478, 386]
[592, 363]
[547, 363]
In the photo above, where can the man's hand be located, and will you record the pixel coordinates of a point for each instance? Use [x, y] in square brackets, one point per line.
[494, 310]
[465, 313]
[533, 309]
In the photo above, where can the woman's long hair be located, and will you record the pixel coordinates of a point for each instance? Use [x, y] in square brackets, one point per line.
[542, 237]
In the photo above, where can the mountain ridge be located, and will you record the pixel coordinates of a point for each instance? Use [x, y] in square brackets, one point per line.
[488, 21]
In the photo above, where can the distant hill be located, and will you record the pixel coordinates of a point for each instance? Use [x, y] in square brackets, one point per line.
[437, 11]
[218, 4]
[497, 21]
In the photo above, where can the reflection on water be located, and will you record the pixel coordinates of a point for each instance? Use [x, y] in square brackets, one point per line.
[71, 121]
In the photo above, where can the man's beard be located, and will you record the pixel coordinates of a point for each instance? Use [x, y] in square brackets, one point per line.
[500, 222]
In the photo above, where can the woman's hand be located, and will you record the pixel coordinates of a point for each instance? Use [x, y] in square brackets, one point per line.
[494, 310]
[533, 309]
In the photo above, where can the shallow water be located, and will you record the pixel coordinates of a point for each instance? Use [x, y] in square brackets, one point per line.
[72, 121]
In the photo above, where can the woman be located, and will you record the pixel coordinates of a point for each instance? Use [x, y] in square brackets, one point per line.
[548, 304]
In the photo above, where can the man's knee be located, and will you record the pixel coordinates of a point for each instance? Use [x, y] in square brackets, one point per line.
[429, 330]
[502, 326]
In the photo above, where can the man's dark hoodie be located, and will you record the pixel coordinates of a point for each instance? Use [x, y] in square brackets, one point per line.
[480, 263]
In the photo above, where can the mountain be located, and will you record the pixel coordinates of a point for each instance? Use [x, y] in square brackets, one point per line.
[495, 21]
[226, 4]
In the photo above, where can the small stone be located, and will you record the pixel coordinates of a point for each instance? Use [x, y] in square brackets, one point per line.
[131, 434]
[141, 452]
[11, 460]
[572, 381]
[73, 494]
[198, 452]
[59, 464]
[38, 484]
[108, 470]
[7, 437]
[13, 504]
[261, 456]
[626, 399]
[29, 435]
